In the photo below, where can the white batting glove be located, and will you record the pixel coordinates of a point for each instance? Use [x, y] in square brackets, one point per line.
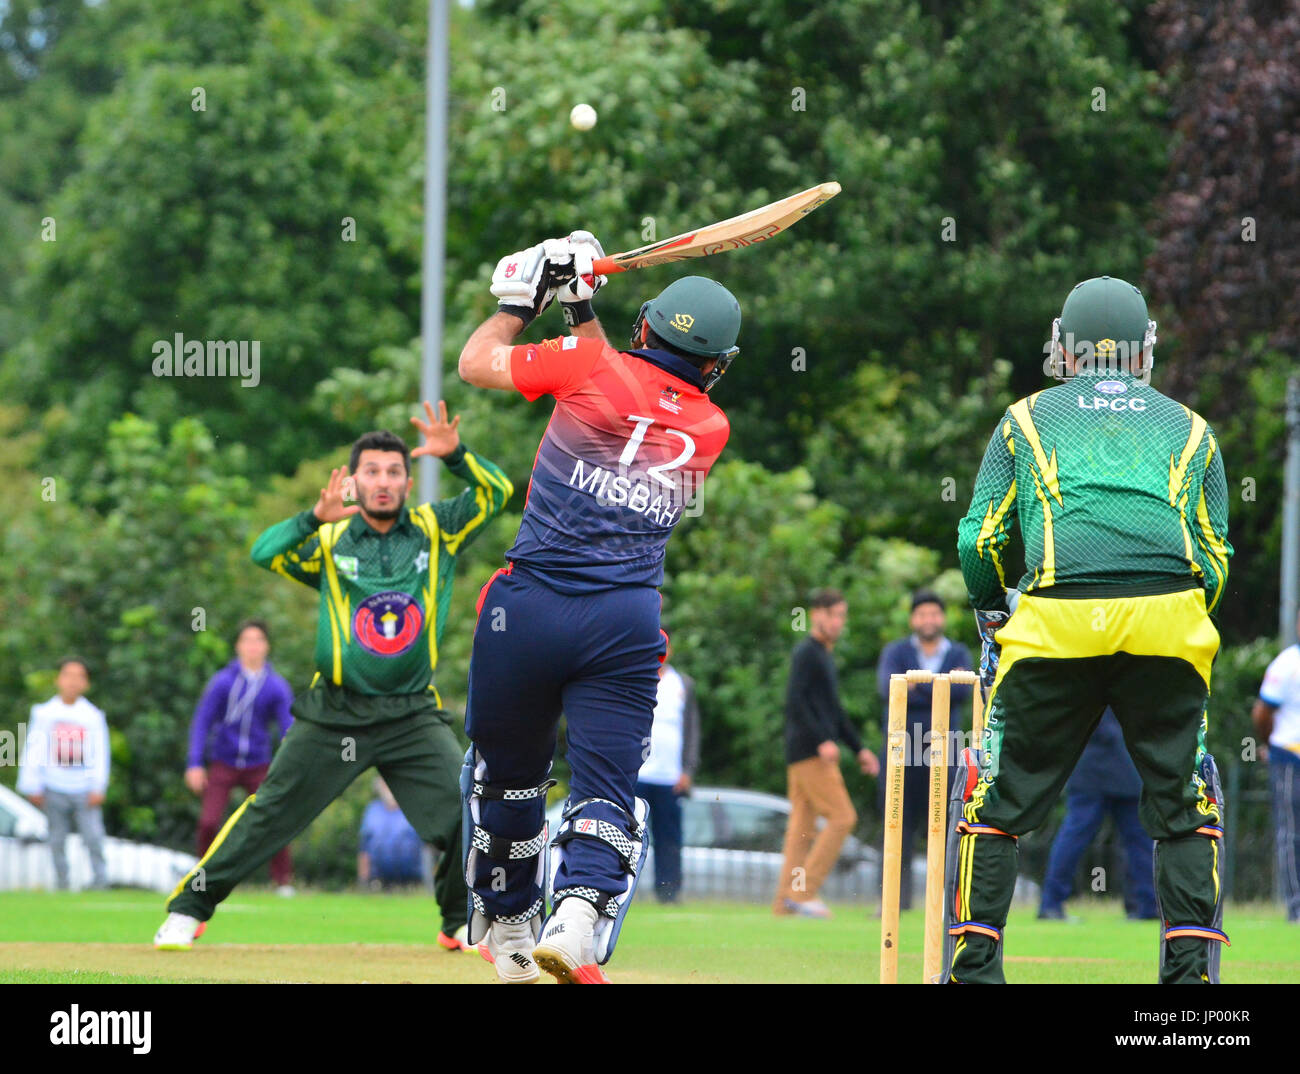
[585, 283]
[526, 282]
[576, 295]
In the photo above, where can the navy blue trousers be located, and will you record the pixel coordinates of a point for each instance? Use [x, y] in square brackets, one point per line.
[593, 657]
[1084, 816]
[1284, 779]
[665, 837]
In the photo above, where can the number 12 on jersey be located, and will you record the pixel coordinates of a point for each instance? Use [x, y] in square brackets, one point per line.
[641, 425]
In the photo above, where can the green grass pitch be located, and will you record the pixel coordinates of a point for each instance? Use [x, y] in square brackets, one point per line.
[98, 937]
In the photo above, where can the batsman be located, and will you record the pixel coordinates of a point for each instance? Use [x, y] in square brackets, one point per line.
[1122, 507]
[571, 625]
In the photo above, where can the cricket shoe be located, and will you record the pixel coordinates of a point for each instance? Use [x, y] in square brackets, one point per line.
[509, 949]
[457, 941]
[567, 948]
[177, 933]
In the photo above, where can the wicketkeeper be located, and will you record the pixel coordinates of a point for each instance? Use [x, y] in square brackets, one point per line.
[1122, 505]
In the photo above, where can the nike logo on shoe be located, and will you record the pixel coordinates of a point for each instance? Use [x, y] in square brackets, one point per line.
[520, 960]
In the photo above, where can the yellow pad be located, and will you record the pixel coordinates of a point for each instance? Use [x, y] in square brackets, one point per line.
[1169, 624]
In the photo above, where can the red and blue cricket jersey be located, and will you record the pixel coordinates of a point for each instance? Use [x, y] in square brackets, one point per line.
[632, 437]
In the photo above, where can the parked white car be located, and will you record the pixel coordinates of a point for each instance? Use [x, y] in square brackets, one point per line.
[25, 861]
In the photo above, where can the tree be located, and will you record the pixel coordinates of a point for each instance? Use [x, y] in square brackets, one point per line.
[1226, 267]
[217, 189]
[148, 593]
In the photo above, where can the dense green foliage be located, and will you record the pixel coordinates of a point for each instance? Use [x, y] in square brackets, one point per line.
[252, 170]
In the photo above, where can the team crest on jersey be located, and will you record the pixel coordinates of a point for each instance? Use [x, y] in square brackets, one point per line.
[682, 322]
[1112, 387]
[668, 400]
[554, 344]
[346, 566]
[388, 624]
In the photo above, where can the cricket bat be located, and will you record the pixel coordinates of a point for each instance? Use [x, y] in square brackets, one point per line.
[757, 225]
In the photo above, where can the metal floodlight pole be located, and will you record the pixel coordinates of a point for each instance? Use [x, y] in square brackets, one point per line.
[1291, 516]
[435, 226]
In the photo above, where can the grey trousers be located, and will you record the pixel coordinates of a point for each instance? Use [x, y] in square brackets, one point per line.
[62, 810]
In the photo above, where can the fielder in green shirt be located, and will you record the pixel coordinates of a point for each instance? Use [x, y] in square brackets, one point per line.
[1122, 508]
[384, 572]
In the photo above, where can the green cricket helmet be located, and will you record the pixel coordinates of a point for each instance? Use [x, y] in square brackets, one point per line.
[1103, 324]
[697, 316]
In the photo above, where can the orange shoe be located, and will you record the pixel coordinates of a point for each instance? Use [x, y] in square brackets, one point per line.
[558, 968]
[456, 942]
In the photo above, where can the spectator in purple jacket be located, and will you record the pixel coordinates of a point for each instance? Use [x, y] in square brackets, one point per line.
[230, 738]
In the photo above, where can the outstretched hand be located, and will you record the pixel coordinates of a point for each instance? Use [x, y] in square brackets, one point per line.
[330, 506]
[440, 435]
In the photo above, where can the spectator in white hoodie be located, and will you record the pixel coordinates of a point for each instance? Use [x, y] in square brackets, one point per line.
[65, 768]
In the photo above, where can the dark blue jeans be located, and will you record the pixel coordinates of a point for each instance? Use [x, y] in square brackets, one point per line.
[1084, 814]
[1284, 779]
[665, 837]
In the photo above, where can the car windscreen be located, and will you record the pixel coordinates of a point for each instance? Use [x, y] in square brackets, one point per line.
[739, 826]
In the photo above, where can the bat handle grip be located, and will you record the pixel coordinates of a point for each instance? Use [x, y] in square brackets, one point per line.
[606, 266]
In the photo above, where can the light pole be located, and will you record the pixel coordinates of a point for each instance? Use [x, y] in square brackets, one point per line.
[435, 226]
[1291, 515]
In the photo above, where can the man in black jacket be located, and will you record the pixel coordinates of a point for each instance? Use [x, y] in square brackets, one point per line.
[814, 720]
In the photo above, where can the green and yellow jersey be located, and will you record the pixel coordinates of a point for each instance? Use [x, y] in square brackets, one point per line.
[1114, 485]
[384, 596]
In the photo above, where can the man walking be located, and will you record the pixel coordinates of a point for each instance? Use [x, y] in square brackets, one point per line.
[1123, 510]
[814, 721]
[65, 769]
[384, 572]
[230, 736]
[925, 649]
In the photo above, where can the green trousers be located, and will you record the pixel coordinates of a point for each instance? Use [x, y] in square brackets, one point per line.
[418, 756]
[1063, 661]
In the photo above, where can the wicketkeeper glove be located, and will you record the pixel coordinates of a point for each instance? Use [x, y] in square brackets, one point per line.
[988, 624]
[576, 295]
[526, 282]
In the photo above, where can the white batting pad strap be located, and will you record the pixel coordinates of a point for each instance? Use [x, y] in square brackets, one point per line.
[506, 919]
